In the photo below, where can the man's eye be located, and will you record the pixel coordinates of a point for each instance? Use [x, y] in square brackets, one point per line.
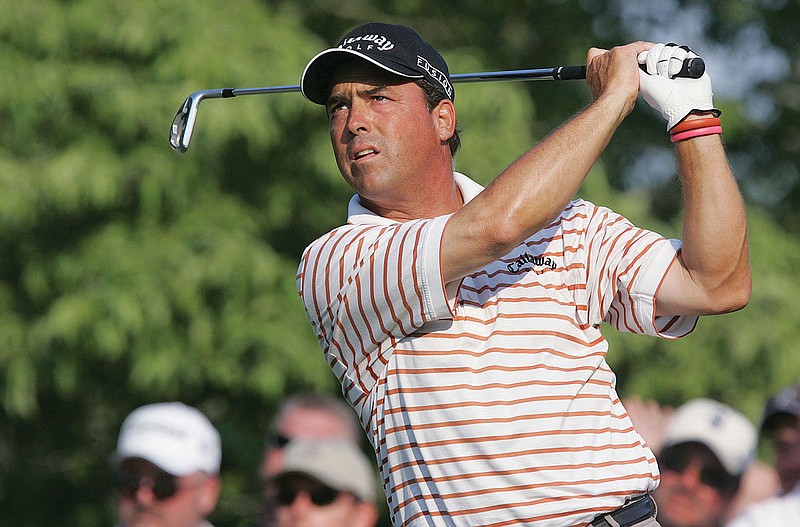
[336, 108]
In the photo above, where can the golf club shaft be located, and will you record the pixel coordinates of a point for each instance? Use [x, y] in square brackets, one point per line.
[183, 125]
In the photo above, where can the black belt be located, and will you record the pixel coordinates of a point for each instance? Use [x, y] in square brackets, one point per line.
[627, 515]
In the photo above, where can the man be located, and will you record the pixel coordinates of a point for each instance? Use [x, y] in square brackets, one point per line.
[324, 483]
[308, 416]
[463, 323]
[167, 461]
[781, 425]
[707, 448]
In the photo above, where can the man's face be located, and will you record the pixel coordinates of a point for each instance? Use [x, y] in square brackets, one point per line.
[303, 423]
[149, 497]
[785, 436]
[384, 138]
[300, 501]
[695, 490]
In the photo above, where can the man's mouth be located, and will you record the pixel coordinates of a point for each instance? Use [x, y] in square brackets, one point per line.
[361, 154]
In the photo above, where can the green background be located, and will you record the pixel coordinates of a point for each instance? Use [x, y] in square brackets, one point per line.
[131, 274]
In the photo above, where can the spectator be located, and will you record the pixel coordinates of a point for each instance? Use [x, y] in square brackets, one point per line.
[707, 447]
[781, 425]
[167, 463]
[308, 416]
[324, 484]
[758, 482]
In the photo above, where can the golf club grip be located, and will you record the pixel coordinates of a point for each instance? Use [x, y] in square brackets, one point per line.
[692, 68]
[569, 73]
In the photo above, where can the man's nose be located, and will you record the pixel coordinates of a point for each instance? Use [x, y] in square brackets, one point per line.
[690, 477]
[302, 503]
[144, 495]
[359, 117]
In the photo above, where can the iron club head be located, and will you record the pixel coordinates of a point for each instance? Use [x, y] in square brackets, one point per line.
[178, 137]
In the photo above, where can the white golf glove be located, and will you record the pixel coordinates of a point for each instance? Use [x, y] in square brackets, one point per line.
[673, 97]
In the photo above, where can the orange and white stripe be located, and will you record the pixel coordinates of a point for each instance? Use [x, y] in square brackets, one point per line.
[491, 404]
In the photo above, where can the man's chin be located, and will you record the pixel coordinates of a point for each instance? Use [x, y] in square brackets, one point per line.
[143, 519]
[679, 517]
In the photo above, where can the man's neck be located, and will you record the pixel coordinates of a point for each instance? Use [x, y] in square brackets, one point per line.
[426, 202]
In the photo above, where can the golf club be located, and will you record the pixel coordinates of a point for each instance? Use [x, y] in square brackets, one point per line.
[180, 133]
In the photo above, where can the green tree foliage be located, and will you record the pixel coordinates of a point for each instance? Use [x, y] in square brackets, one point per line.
[128, 273]
[131, 274]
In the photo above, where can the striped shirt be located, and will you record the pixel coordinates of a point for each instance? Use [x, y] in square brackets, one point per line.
[489, 402]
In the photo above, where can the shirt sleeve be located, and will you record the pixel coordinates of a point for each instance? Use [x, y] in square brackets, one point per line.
[625, 267]
[365, 287]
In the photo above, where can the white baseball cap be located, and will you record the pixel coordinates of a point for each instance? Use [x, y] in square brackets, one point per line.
[335, 463]
[175, 437]
[729, 435]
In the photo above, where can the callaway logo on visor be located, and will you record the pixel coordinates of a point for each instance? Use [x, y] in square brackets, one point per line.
[375, 43]
[367, 43]
[395, 48]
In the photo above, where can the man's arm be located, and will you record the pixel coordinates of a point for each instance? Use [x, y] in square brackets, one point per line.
[534, 189]
[712, 272]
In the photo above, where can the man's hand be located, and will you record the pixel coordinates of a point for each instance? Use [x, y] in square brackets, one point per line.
[615, 72]
[674, 98]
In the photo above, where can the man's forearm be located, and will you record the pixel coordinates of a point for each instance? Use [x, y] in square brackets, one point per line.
[715, 251]
[531, 191]
[715, 246]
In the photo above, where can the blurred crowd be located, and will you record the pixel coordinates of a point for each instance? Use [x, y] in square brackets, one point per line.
[314, 470]
[710, 475]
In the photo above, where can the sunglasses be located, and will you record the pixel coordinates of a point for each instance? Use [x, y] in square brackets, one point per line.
[713, 476]
[278, 440]
[320, 495]
[162, 484]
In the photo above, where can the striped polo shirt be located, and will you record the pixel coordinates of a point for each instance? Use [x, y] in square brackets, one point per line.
[489, 402]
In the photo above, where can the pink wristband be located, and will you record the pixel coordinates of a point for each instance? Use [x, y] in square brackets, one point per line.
[697, 132]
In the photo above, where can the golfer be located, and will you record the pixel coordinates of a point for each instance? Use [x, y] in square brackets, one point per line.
[464, 322]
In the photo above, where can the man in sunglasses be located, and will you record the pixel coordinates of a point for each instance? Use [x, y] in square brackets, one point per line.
[707, 448]
[308, 415]
[781, 427]
[325, 483]
[167, 466]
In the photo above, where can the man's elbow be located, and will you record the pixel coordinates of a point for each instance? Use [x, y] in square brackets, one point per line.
[736, 296]
[744, 296]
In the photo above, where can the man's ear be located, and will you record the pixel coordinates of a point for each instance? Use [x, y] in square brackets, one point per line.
[209, 494]
[445, 115]
[366, 515]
